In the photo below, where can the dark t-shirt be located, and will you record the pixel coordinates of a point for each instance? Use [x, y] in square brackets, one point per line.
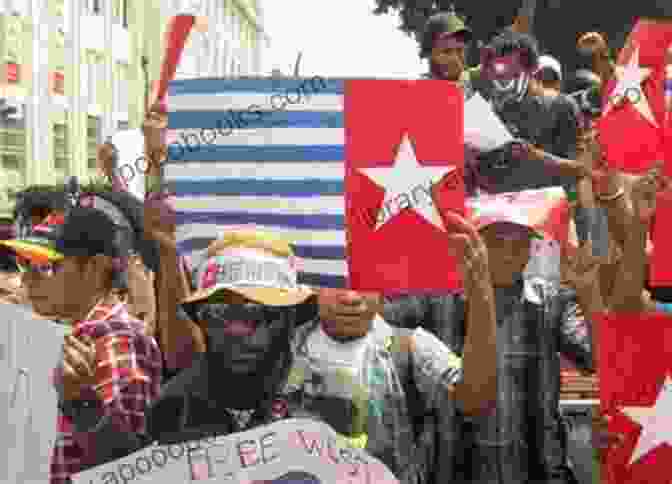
[550, 123]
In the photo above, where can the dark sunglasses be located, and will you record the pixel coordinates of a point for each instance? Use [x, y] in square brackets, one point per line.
[214, 314]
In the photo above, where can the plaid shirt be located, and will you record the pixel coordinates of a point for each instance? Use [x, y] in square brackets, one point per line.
[128, 377]
[522, 441]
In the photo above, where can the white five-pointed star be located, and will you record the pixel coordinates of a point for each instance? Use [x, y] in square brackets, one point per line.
[656, 422]
[405, 179]
[629, 87]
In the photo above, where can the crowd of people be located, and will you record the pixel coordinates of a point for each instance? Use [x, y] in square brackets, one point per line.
[467, 384]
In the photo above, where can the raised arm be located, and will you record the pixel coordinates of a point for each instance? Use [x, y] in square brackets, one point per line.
[180, 338]
[629, 284]
[525, 19]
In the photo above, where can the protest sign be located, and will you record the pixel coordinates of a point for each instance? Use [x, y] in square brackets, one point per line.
[132, 164]
[293, 450]
[28, 401]
[484, 131]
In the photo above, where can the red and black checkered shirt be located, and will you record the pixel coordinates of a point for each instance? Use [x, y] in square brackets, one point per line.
[128, 377]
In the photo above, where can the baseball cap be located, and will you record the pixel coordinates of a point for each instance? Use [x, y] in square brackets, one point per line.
[253, 264]
[83, 232]
[38, 245]
[550, 63]
[488, 210]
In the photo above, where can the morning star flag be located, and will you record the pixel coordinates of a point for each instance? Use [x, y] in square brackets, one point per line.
[636, 391]
[395, 153]
[270, 153]
[262, 152]
[635, 125]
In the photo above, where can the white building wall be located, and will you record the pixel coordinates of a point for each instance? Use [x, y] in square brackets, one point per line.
[219, 52]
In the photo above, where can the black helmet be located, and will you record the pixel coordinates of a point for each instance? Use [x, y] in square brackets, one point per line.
[447, 22]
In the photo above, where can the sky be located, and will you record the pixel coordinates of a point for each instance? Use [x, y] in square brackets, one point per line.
[338, 38]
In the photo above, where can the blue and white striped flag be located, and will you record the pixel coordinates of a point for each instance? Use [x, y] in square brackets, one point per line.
[263, 152]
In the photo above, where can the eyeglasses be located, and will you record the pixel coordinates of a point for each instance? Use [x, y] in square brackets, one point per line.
[217, 313]
[47, 269]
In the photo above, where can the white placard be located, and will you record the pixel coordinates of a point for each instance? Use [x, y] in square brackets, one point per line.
[132, 163]
[483, 130]
[28, 401]
[292, 450]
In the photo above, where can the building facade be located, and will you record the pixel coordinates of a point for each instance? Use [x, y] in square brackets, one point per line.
[71, 74]
[234, 43]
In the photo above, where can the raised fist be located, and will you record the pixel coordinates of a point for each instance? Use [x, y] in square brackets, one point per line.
[592, 43]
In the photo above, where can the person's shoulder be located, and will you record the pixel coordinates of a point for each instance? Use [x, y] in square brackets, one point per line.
[564, 103]
[122, 325]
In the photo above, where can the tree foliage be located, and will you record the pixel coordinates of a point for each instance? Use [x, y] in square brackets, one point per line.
[413, 13]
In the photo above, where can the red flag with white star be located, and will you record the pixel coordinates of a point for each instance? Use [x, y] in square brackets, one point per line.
[635, 126]
[395, 152]
[631, 127]
[636, 391]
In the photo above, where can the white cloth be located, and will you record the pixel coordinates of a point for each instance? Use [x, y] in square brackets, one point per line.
[333, 355]
[132, 164]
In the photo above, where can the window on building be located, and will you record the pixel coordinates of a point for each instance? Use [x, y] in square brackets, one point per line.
[12, 145]
[18, 7]
[93, 139]
[121, 91]
[61, 151]
[93, 7]
[122, 125]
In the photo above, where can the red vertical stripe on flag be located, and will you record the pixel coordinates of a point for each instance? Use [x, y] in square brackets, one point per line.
[175, 40]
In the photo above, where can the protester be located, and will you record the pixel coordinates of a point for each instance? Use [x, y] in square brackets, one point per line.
[531, 321]
[593, 46]
[549, 132]
[412, 366]
[35, 204]
[180, 338]
[444, 42]
[111, 370]
[246, 303]
[546, 125]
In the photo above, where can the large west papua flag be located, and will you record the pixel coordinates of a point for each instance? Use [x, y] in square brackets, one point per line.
[272, 153]
[261, 152]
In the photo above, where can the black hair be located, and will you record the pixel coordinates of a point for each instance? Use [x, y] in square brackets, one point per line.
[39, 200]
[133, 210]
[508, 42]
[438, 24]
[580, 80]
